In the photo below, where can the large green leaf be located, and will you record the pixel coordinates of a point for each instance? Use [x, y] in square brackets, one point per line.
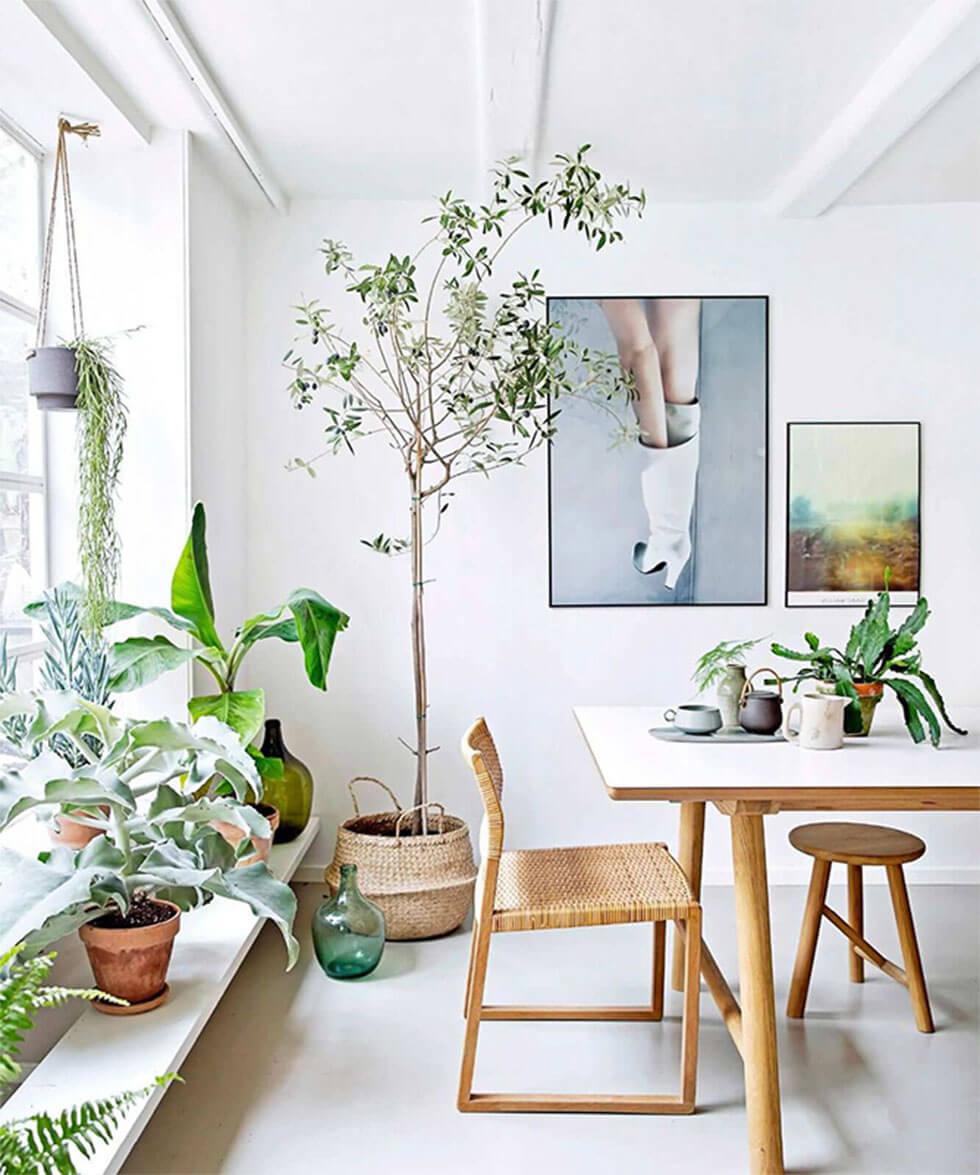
[317, 624]
[267, 897]
[190, 588]
[41, 902]
[933, 690]
[141, 659]
[914, 709]
[242, 710]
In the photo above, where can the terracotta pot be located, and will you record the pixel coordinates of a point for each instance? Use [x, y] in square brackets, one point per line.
[131, 963]
[262, 844]
[67, 831]
[869, 695]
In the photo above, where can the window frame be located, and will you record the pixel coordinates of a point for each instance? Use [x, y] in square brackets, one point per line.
[33, 483]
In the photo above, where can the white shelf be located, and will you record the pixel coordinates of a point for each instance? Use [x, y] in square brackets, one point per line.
[101, 1055]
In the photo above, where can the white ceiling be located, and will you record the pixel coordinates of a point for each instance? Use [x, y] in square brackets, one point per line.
[695, 100]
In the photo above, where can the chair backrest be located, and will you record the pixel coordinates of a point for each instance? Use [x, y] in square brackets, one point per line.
[480, 752]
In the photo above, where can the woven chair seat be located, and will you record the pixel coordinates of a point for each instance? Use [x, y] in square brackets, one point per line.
[602, 885]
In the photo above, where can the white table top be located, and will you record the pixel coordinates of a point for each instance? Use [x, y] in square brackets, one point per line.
[101, 1055]
[882, 772]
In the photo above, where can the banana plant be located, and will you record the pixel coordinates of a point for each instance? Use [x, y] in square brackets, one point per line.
[876, 652]
[155, 833]
[305, 618]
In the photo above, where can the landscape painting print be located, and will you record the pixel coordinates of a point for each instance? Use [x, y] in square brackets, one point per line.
[658, 493]
[852, 513]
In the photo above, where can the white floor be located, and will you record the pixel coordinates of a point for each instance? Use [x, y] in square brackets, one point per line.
[298, 1073]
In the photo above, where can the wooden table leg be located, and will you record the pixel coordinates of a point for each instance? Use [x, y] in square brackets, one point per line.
[690, 854]
[757, 995]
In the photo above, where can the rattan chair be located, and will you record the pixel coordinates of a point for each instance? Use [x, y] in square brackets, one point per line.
[545, 889]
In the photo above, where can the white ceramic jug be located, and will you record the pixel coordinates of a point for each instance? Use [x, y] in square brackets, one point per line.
[821, 722]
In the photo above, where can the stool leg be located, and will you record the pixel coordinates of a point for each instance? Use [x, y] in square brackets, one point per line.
[855, 915]
[803, 967]
[910, 948]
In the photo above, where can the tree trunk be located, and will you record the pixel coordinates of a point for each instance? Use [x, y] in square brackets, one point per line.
[418, 658]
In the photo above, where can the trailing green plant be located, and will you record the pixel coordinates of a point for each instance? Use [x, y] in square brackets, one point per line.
[876, 652]
[163, 846]
[100, 433]
[457, 378]
[711, 665]
[306, 618]
[43, 1144]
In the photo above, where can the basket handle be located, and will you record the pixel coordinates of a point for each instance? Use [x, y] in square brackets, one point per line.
[371, 779]
[420, 808]
[752, 676]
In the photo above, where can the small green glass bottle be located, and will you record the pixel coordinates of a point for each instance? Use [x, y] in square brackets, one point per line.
[293, 794]
[348, 931]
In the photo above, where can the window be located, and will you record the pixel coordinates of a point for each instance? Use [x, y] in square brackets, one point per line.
[23, 546]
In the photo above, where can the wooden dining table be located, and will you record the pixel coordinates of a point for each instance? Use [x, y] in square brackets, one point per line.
[885, 772]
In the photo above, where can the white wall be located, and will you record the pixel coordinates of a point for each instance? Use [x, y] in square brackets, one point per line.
[872, 317]
[216, 244]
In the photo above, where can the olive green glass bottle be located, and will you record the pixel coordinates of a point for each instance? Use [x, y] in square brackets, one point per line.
[293, 794]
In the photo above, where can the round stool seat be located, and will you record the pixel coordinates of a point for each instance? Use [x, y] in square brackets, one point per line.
[857, 844]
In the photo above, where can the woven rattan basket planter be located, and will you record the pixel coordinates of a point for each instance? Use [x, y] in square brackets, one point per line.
[422, 883]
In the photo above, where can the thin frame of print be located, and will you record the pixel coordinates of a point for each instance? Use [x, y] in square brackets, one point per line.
[661, 496]
[853, 509]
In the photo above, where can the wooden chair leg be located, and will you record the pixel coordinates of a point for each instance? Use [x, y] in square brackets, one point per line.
[910, 948]
[692, 1009]
[659, 966]
[475, 1004]
[855, 915]
[469, 968]
[803, 967]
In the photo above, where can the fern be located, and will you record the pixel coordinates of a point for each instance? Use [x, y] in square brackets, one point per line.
[712, 664]
[44, 1143]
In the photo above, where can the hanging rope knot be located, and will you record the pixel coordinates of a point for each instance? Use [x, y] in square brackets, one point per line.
[84, 130]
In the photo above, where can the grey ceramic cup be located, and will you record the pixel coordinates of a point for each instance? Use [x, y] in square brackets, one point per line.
[695, 719]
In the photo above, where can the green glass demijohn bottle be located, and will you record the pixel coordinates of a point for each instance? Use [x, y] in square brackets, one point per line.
[348, 931]
[293, 793]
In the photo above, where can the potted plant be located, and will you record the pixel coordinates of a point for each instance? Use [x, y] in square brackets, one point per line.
[80, 374]
[875, 656]
[306, 618]
[157, 854]
[48, 1144]
[458, 383]
[724, 667]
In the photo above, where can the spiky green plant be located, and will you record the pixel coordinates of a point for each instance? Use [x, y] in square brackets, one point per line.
[13, 730]
[712, 664]
[44, 1143]
[101, 431]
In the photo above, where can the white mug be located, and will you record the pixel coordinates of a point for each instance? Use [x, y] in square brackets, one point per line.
[821, 722]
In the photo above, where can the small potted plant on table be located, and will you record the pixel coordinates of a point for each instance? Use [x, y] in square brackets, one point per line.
[877, 656]
[724, 667]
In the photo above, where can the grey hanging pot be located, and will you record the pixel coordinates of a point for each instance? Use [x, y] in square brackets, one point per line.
[52, 378]
[51, 371]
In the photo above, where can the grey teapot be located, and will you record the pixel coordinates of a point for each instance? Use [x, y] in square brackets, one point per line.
[760, 711]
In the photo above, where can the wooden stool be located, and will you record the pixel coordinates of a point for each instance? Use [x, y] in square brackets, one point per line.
[856, 845]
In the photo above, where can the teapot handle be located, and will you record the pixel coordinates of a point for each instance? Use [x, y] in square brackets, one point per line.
[752, 676]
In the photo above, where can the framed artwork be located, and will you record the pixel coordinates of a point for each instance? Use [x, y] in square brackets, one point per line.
[660, 496]
[853, 494]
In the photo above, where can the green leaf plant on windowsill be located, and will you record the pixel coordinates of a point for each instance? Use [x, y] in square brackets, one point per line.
[50, 1143]
[156, 842]
[305, 618]
[875, 656]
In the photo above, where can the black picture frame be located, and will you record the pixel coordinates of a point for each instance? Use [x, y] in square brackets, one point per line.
[863, 593]
[764, 602]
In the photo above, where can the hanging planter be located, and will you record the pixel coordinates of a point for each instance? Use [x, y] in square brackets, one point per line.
[80, 375]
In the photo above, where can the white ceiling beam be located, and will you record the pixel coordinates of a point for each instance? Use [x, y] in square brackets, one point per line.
[512, 44]
[115, 93]
[168, 26]
[940, 49]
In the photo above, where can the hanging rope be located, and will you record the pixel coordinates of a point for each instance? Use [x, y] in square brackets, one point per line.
[62, 184]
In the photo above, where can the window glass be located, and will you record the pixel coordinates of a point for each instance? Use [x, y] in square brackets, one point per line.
[21, 558]
[18, 221]
[20, 421]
